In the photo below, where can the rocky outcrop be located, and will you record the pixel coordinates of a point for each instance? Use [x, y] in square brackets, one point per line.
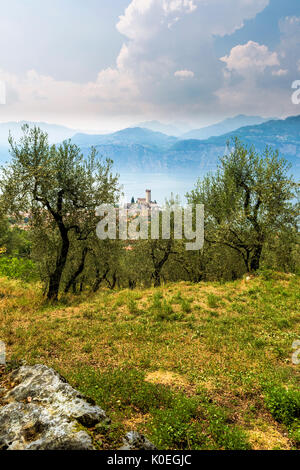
[41, 411]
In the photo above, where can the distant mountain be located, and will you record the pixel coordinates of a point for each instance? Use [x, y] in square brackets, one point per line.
[55, 132]
[223, 127]
[130, 136]
[140, 151]
[169, 129]
[281, 134]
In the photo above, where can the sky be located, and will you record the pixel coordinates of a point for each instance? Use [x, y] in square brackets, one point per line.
[100, 65]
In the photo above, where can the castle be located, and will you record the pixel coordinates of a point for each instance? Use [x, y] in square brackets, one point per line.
[147, 200]
[143, 204]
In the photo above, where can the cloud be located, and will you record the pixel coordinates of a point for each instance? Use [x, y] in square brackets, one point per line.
[159, 37]
[249, 80]
[166, 35]
[257, 79]
[249, 58]
[136, 23]
[182, 74]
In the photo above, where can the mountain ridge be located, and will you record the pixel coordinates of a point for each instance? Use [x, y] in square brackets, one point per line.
[223, 127]
[56, 132]
[140, 150]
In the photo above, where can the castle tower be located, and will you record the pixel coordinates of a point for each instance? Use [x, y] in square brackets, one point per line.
[148, 196]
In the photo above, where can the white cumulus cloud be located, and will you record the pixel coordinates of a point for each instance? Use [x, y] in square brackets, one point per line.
[250, 57]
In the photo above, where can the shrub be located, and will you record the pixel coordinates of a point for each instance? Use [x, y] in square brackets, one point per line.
[18, 268]
[284, 405]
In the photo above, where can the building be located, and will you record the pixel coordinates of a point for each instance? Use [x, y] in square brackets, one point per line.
[146, 201]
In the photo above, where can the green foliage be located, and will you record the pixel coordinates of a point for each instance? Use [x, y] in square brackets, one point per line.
[18, 268]
[133, 307]
[246, 201]
[227, 437]
[122, 389]
[249, 223]
[176, 421]
[61, 189]
[186, 306]
[177, 427]
[284, 405]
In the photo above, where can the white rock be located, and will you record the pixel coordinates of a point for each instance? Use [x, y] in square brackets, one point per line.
[44, 412]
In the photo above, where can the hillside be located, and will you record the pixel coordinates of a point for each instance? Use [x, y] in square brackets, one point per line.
[206, 366]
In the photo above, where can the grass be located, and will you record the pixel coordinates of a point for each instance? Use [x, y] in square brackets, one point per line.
[204, 366]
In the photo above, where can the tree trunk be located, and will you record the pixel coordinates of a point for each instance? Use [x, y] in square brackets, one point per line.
[131, 284]
[72, 280]
[55, 277]
[156, 277]
[255, 259]
[158, 265]
[113, 282]
[99, 278]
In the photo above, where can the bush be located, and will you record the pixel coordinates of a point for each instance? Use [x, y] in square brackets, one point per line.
[284, 405]
[18, 268]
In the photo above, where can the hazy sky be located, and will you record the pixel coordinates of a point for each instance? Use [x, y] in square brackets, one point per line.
[103, 64]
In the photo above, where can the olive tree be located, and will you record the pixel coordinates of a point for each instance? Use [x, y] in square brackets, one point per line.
[246, 201]
[59, 185]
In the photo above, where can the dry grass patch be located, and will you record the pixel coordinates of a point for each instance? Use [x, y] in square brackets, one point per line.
[266, 436]
[168, 378]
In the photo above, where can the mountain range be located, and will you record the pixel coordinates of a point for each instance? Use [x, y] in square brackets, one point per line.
[140, 150]
[283, 135]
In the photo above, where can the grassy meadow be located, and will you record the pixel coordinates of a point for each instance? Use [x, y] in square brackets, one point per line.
[192, 366]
